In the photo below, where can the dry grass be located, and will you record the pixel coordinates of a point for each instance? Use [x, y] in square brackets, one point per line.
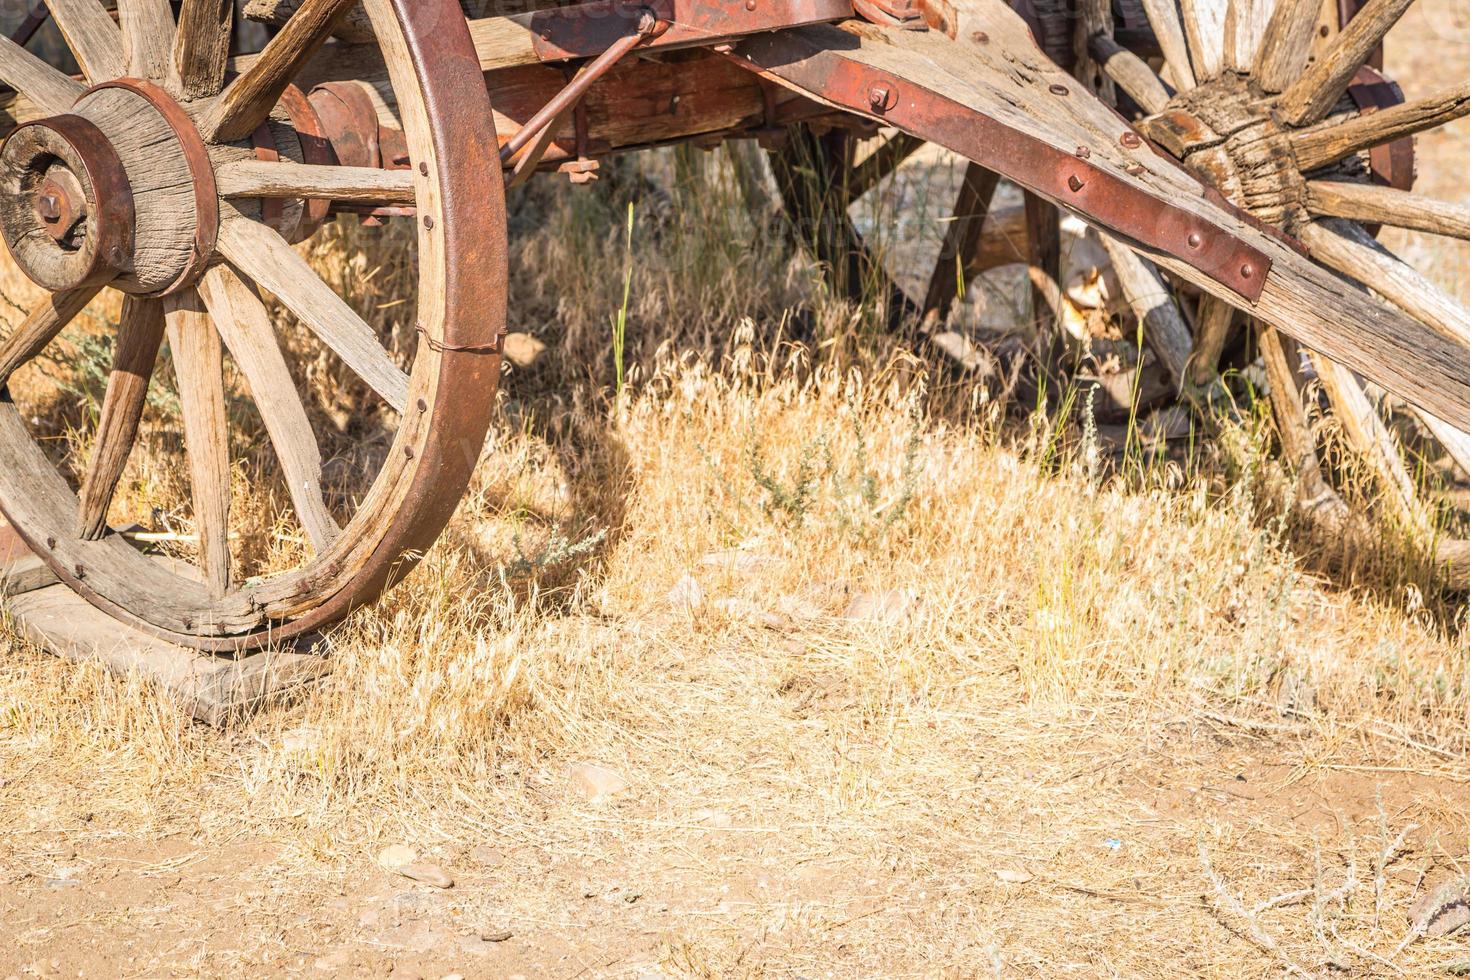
[952, 699]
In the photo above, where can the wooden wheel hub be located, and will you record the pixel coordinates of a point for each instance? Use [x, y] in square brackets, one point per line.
[67, 209]
[120, 191]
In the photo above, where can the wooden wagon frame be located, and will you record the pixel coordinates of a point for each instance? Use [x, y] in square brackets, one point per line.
[1238, 147]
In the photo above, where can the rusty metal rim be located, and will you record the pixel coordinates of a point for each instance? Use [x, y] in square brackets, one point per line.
[196, 155]
[472, 220]
[315, 151]
[351, 127]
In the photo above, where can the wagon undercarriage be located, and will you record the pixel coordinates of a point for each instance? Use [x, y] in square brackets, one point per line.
[178, 170]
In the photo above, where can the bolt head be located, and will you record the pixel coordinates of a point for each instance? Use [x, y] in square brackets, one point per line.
[1130, 140]
[878, 96]
[1075, 183]
[1058, 89]
[1195, 241]
[1247, 271]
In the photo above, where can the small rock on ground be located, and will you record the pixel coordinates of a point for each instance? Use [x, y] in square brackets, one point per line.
[427, 874]
[594, 783]
[397, 855]
[1442, 909]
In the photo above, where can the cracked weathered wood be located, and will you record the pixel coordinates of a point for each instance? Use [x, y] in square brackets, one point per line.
[202, 47]
[1317, 89]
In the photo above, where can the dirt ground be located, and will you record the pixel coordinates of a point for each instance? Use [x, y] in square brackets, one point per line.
[1071, 732]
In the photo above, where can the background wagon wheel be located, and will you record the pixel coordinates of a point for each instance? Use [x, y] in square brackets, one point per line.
[175, 175]
[821, 178]
[1282, 113]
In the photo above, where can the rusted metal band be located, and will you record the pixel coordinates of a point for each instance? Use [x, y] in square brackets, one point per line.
[1064, 178]
[206, 192]
[483, 349]
[1392, 163]
[316, 151]
[588, 29]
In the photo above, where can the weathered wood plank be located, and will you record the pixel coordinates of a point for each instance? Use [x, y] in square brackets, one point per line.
[215, 690]
[1152, 300]
[1204, 25]
[1163, 17]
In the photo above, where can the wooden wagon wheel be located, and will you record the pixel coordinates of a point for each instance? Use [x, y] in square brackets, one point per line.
[150, 176]
[1316, 143]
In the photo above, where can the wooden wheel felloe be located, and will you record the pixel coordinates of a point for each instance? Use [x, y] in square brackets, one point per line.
[144, 178]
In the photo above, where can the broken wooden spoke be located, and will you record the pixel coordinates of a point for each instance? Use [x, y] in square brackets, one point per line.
[1317, 89]
[1331, 141]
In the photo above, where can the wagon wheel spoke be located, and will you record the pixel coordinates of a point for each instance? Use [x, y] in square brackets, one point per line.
[1130, 73]
[1287, 43]
[245, 326]
[1376, 204]
[148, 36]
[263, 256]
[1153, 302]
[1331, 141]
[202, 46]
[33, 78]
[40, 328]
[881, 163]
[92, 36]
[199, 364]
[961, 241]
[249, 99]
[1204, 26]
[1317, 89]
[1211, 331]
[357, 185]
[139, 336]
[1163, 17]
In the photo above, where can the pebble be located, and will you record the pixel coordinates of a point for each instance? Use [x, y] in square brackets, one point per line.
[522, 349]
[397, 855]
[1013, 876]
[427, 874]
[1443, 909]
[485, 854]
[498, 936]
[595, 783]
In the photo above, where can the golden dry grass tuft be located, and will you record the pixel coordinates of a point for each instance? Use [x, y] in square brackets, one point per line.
[898, 687]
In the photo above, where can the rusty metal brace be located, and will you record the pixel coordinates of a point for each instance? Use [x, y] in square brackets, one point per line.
[568, 97]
